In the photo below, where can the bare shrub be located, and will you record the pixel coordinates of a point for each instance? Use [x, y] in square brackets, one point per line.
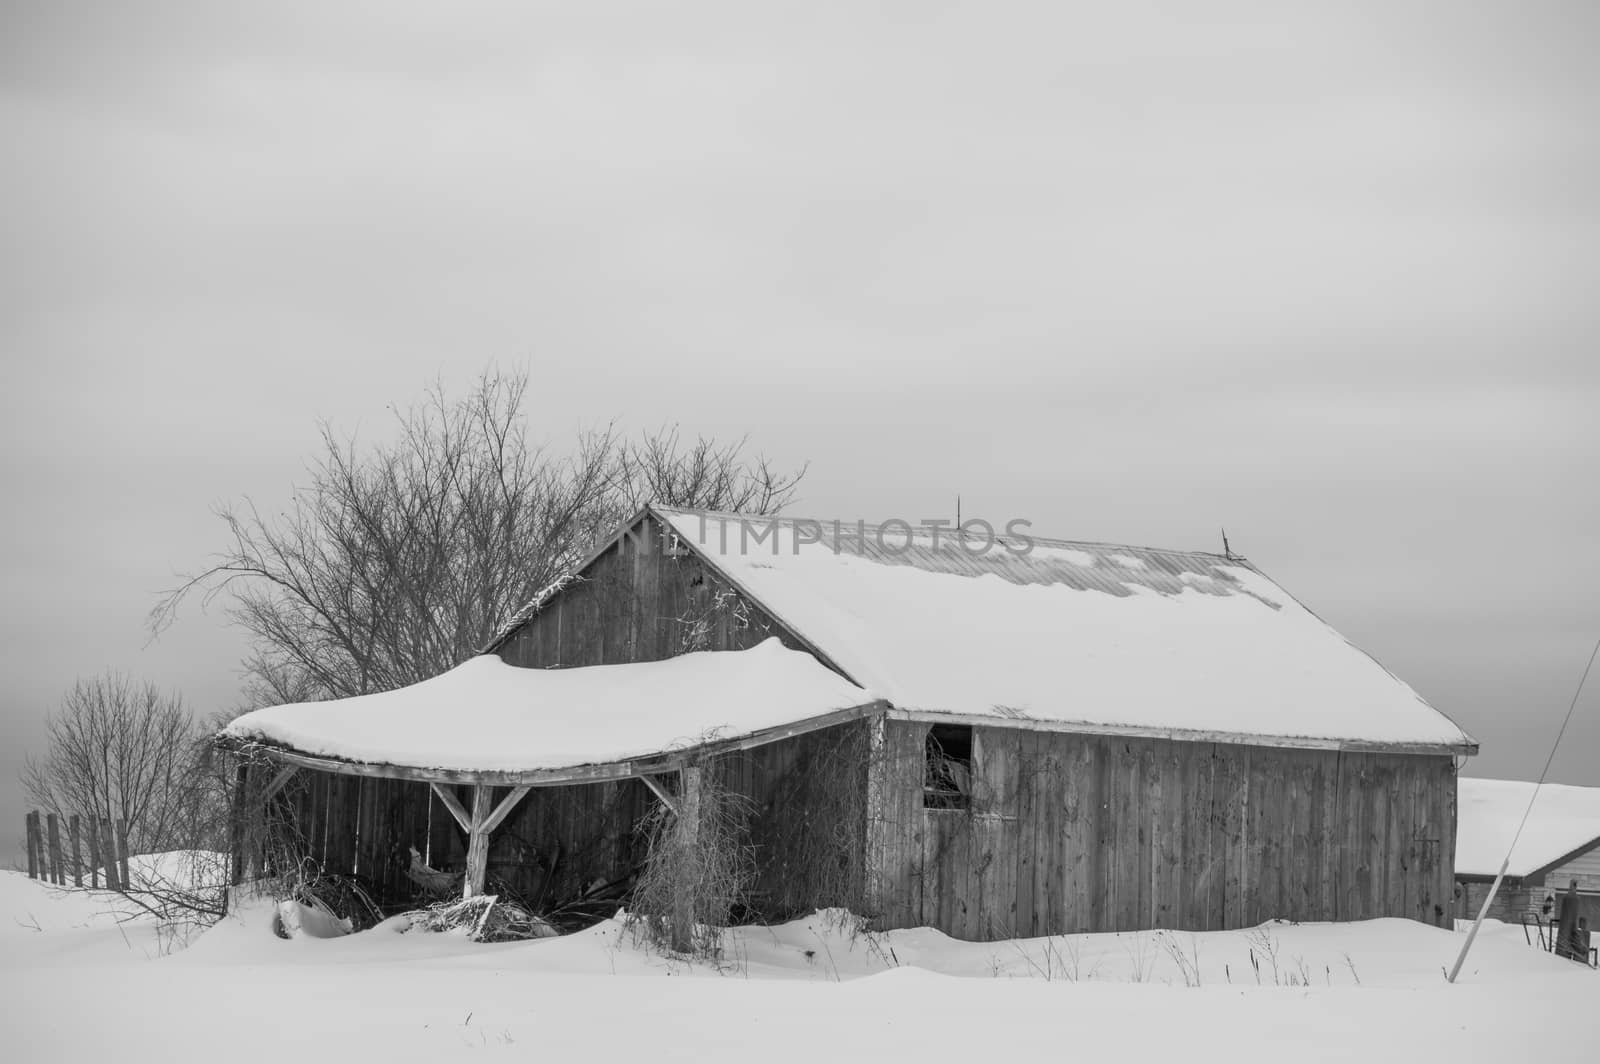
[122, 750]
[697, 870]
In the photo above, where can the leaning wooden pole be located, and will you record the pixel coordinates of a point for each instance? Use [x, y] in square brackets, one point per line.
[1483, 910]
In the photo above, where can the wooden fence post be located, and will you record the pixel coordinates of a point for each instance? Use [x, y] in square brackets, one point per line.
[108, 851]
[74, 832]
[122, 848]
[57, 872]
[93, 824]
[31, 821]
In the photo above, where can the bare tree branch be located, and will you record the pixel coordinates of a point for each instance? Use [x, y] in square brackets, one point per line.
[398, 561]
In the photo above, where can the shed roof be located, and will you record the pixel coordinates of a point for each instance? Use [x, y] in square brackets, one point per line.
[485, 718]
[1061, 634]
[1565, 820]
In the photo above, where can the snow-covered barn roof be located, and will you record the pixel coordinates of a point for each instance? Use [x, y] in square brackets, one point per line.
[1565, 820]
[486, 720]
[1083, 636]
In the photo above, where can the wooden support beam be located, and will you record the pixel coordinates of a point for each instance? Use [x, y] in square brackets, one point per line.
[277, 783]
[503, 810]
[447, 795]
[239, 817]
[478, 842]
[661, 792]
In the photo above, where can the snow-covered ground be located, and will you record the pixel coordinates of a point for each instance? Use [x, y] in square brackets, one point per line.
[81, 985]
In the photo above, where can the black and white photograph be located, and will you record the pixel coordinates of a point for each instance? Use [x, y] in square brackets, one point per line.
[761, 531]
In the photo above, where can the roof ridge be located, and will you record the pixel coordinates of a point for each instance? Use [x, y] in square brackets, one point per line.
[922, 531]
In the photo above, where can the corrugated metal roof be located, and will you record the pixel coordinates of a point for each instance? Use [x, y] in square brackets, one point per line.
[1070, 634]
[1112, 568]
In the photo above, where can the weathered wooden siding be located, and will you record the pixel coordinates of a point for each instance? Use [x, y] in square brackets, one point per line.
[806, 800]
[640, 602]
[1095, 833]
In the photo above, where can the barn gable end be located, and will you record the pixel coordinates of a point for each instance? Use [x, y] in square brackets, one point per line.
[643, 596]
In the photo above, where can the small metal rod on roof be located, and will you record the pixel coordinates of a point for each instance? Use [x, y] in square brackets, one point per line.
[1227, 552]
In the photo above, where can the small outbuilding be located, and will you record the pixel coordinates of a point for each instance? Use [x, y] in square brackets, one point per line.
[994, 735]
[1559, 846]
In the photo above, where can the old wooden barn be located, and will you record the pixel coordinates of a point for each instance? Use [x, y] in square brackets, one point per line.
[992, 736]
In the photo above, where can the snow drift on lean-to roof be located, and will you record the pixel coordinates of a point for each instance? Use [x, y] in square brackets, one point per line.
[1073, 634]
[487, 716]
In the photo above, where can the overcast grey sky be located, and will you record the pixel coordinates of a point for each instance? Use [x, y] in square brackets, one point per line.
[1324, 274]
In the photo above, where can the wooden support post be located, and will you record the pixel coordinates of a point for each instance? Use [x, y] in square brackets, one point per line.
[478, 842]
[108, 853]
[30, 824]
[93, 831]
[122, 848]
[75, 833]
[58, 873]
[688, 831]
[238, 816]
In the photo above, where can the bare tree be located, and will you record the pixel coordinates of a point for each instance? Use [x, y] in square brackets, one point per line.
[400, 560]
[126, 751]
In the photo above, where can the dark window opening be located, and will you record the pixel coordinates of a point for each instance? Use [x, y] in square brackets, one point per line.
[947, 777]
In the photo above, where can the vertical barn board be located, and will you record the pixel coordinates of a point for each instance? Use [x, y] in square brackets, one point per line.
[1446, 794]
[316, 830]
[885, 871]
[1424, 841]
[951, 832]
[1324, 837]
[1380, 780]
[1261, 868]
[1027, 789]
[1200, 875]
[1300, 872]
[995, 768]
[1174, 848]
[1097, 760]
[1124, 816]
[914, 822]
[1050, 875]
[1146, 791]
[1360, 787]
[1401, 850]
[648, 561]
[1233, 795]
